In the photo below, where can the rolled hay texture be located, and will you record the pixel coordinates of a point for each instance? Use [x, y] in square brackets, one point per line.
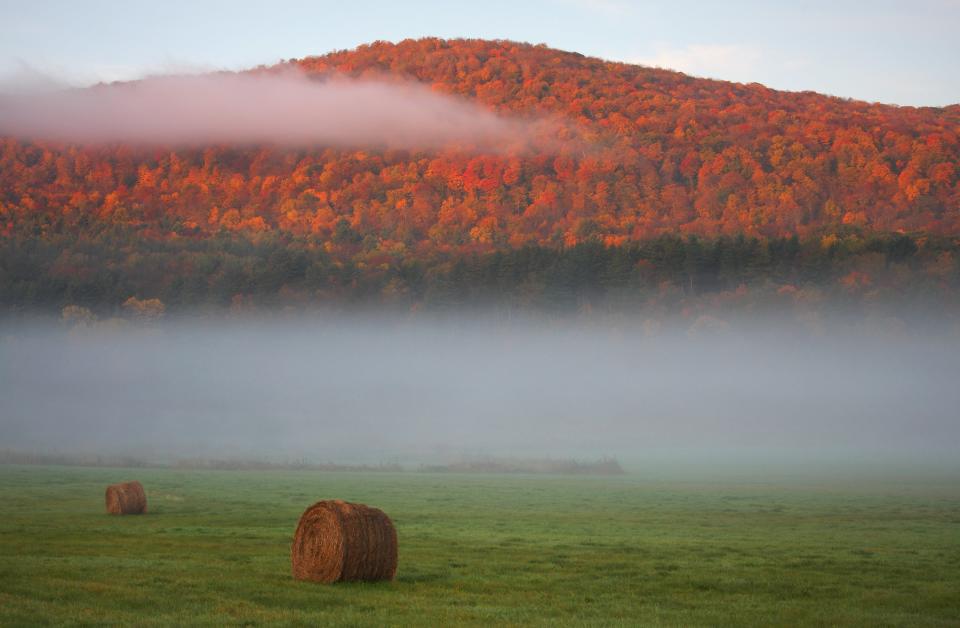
[126, 498]
[337, 541]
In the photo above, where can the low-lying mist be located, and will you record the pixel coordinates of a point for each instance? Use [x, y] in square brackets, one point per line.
[416, 392]
[284, 108]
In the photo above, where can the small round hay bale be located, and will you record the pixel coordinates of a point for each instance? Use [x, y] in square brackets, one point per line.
[337, 541]
[126, 498]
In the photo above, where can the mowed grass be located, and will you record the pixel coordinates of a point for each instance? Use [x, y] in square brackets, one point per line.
[482, 550]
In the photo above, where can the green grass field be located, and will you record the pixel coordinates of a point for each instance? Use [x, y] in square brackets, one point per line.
[483, 550]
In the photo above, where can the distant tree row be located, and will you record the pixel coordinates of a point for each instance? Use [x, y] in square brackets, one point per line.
[116, 272]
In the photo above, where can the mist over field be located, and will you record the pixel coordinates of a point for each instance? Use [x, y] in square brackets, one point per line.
[382, 390]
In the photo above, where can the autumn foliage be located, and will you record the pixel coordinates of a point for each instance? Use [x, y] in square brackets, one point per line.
[626, 155]
[639, 152]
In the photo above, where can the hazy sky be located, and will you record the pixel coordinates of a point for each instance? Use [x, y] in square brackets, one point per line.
[885, 50]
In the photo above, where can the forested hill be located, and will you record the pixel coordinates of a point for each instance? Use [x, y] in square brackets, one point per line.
[636, 154]
[668, 154]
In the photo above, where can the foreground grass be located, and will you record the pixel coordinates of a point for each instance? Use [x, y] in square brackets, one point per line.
[481, 549]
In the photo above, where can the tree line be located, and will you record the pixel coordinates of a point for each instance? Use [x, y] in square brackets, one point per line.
[116, 271]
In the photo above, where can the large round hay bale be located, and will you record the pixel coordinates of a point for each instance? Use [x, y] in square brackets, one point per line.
[126, 498]
[337, 541]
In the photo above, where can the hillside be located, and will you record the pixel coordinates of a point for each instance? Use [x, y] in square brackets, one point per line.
[635, 153]
[670, 153]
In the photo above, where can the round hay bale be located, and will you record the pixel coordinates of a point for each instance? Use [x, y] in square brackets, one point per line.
[337, 541]
[126, 498]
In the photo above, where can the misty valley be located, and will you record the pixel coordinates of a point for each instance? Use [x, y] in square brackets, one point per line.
[377, 390]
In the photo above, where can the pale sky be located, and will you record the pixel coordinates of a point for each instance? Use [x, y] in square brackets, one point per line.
[893, 51]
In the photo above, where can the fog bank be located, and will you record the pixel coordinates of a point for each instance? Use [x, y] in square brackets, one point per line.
[286, 108]
[379, 391]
